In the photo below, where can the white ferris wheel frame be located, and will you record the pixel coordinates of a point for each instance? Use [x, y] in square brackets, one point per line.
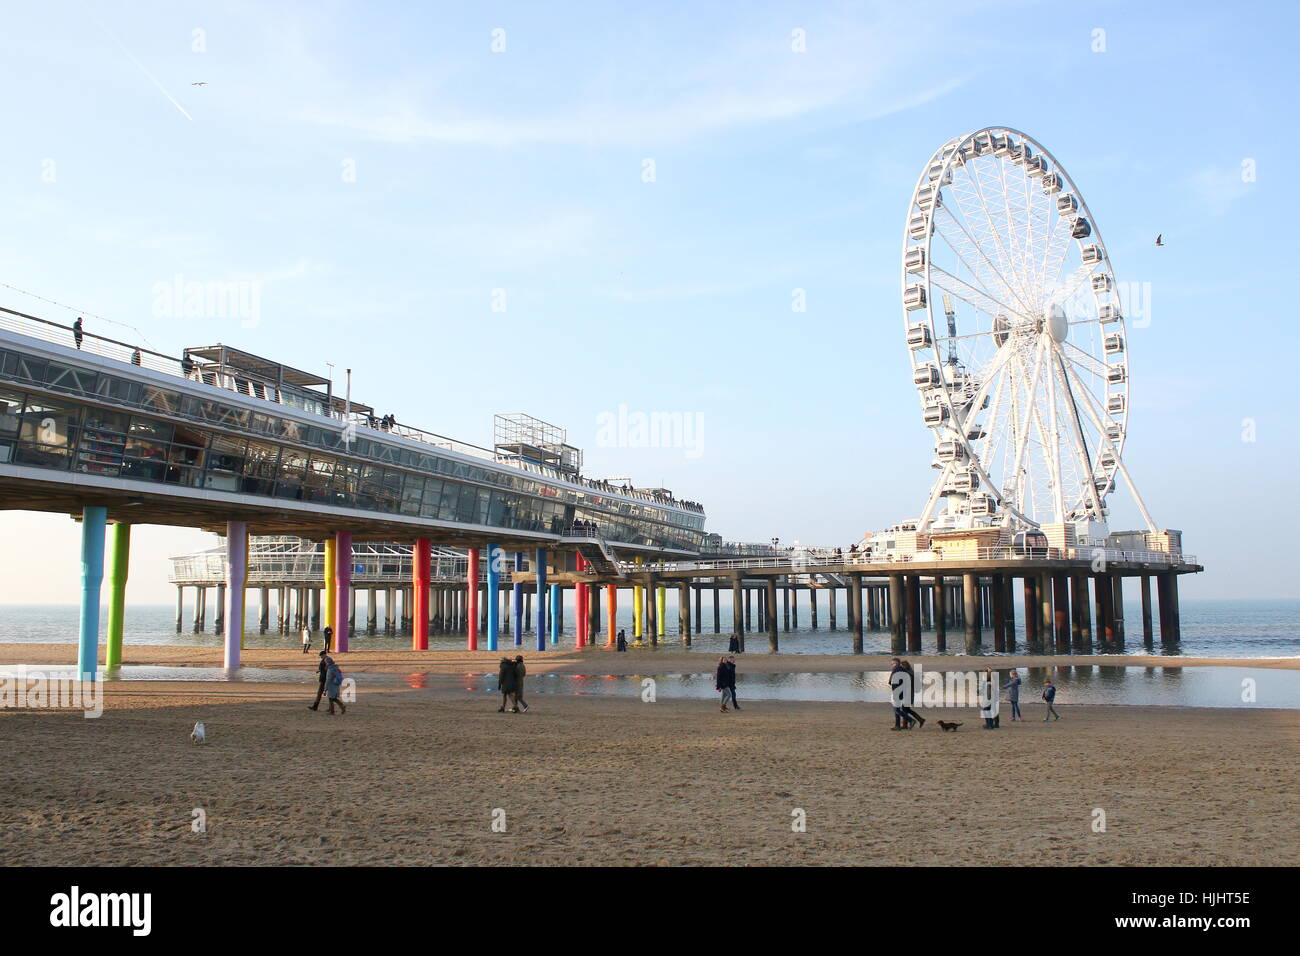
[1097, 470]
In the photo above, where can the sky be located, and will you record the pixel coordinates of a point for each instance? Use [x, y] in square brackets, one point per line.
[570, 209]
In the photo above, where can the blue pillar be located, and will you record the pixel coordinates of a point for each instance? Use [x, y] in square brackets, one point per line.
[518, 596]
[556, 597]
[94, 519]
[495, 557]
[540, 567]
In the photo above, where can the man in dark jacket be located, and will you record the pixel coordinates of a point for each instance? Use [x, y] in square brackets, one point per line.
[731, 681]
[322, 671]
[899, 678]
[721, 682]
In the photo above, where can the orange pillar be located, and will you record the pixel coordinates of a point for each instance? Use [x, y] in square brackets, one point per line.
[611, 601]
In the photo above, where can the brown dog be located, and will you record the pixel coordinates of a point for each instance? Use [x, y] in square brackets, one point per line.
[947, 725]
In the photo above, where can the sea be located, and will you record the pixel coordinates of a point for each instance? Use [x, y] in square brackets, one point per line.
[1210, 628]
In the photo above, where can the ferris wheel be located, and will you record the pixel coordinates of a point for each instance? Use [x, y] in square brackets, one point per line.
[1016, 336]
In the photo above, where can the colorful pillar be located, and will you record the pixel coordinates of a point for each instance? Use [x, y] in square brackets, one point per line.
[556, 597]
[118, 563]
[518, 594]
[421, 572]
[342, 603]
[581, 625]
[540, 569]
[330, 598]
[471, 607]
[638, 609]
[495, 557]
[236, 575]
[660, 604]
[611, 607]
[93, 520]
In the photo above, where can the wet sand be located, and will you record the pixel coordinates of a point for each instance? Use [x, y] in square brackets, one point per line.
[413, 776]
[601, 660]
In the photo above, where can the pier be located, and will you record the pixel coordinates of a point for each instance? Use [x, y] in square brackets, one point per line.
[327, 511]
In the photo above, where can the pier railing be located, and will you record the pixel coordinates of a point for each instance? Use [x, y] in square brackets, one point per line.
[812, 559]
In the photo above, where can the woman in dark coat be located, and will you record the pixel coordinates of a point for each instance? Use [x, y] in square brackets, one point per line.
[505, 682]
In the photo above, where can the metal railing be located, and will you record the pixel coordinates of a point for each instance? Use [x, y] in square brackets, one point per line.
[813, 560]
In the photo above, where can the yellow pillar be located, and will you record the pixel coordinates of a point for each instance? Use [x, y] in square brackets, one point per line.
[660, 616]
[638, 609]
[329, 586]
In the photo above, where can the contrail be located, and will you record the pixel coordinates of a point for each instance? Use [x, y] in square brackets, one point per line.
[140, 66]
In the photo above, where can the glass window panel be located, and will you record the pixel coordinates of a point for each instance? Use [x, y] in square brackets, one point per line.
[148, 428]
[11, 407]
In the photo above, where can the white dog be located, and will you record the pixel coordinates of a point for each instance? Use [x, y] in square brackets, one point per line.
[199, 734]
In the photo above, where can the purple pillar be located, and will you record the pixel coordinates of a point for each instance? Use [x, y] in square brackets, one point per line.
[236, 574]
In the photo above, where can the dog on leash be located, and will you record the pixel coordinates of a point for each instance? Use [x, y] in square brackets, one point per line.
[947, 725]
[199, 734]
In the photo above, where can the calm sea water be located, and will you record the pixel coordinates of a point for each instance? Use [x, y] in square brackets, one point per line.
[1164, 686]
[1211, 628]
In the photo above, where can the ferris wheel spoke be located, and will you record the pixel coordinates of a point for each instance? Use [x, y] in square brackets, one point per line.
[1090, 362]
[1071, 405]
[982, 301]
[978, 201]
[974, 266]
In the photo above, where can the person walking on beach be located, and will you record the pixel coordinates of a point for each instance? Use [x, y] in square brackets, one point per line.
[733, 645]
[898, 677]
[1013, 695]
[333, 683]
[622, 640]
[306, 639]
[1049, 695]
[723, 683]
[78, 333]
[731, 681]
[328, 636]
[520, 671]
[506, 683]
[908, 695]
[322, 672]
[989, 699]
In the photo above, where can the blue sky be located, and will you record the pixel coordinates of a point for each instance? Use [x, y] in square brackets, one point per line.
[522, 170]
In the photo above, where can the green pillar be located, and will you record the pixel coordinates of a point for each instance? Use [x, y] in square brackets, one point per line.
[119, 561]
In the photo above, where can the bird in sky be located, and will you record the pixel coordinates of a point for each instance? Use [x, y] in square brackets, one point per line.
[1159, 241]
[200, 83]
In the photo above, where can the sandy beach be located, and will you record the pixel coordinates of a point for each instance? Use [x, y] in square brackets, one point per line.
[413, 776]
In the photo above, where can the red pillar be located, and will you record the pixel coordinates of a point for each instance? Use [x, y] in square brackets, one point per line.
[420, 574]
[471, 624]
[580, 604]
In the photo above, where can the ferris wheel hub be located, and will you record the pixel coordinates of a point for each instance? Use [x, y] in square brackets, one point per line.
[1056, 323]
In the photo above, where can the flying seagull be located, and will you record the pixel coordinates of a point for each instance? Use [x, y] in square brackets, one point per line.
[1158, 240]
[200, 83]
